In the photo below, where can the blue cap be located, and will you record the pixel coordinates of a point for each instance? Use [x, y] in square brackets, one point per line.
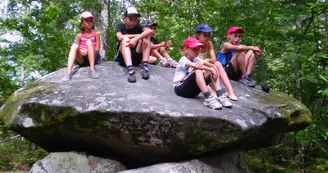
[203, 28]
[150, 23]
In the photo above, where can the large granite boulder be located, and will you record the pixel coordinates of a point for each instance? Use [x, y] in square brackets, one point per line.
[63, 162]
[231, 162]
[145, 123]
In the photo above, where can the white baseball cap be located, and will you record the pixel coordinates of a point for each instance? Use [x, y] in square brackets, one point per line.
[86, 15]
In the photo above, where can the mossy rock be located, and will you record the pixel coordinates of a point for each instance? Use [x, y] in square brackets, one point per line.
[145, 122]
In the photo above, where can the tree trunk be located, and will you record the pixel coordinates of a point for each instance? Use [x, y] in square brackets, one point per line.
[101, 25]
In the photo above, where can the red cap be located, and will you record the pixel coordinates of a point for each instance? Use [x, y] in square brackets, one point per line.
[192, 43]
[235, 29]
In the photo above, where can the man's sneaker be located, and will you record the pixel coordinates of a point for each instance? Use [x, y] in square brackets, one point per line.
[213, 103]
[223, 99]
[164, 62]
[67, 77]
[94, 74]
[132, 77]
[173, 63]
[144, 72]
[246, 82]
[249, 78]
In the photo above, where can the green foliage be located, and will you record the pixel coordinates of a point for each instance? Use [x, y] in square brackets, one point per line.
[17, 154]
[292, 34]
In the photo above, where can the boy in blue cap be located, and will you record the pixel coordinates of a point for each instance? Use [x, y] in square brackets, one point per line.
[203, 34]
[158, 49]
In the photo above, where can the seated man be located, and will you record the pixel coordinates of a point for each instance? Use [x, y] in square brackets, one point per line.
[133, 47]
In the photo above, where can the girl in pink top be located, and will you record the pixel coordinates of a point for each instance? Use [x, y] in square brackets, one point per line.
[85, 50]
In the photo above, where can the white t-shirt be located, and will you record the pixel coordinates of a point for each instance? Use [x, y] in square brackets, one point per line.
[182, 69]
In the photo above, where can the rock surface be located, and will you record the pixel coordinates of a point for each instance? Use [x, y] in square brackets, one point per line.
[225, 163]
[144, 123]
[63, 162]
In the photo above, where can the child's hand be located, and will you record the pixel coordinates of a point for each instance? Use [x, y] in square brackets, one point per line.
[163, 44]
[83, 52]
[214, 73]
[169, 43]
[199, 64]
[132, 43]
[257, 51]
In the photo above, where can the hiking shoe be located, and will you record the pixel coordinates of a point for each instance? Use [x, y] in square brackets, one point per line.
[94, 74]
[67, 77]
[249, 78]
[173, 63]
[246, 82]
[144, 72]
[231, 96]
[131, 76]
[75, 69]
[164, 62]
[223, 99]
[213, 103]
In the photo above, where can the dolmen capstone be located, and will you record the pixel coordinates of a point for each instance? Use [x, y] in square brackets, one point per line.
[145, 123]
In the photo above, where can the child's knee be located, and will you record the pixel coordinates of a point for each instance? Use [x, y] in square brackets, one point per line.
[124, 41]
[74, 47]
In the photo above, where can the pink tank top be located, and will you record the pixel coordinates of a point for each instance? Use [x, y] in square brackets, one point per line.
[84, 39]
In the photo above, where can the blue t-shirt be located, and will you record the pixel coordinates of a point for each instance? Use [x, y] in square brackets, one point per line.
[225, 58]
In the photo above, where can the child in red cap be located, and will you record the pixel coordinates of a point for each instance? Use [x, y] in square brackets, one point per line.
[192, 75]
[237, 64]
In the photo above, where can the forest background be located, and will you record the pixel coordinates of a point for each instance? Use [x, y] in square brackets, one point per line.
[36, 36]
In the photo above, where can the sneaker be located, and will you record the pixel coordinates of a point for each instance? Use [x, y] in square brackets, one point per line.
[131, 76]
[164, 62]
[223, 99]
[213, 103]
[67, 77]
[94, 74]
[246, 82]
[249, 78]
[144, 72]
[232, 97]
[75, 69]
[173, 63]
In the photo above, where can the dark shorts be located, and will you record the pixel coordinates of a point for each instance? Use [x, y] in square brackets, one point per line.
[232, 74]
[86, 60]
[188, 87]
[136, 57]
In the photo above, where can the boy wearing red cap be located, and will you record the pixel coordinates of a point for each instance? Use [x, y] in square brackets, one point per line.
[237, 64]
[134, 47]
[192, 75]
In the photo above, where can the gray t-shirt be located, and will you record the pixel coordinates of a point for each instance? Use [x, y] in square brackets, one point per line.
[182, 69]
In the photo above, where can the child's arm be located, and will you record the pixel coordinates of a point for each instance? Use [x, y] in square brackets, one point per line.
[212, 53]
[155, 46]
[229, 46]
[145, 33]
[97, 41]
[199, 66]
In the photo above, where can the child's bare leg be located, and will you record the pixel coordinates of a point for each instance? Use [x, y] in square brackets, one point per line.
[156, 53]
[249, 61]
[224, 77]
[200, 80]
[91, 54]
[74, 54]
[126, 51]
[144, 48]
[164, 53]
[238, 62]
